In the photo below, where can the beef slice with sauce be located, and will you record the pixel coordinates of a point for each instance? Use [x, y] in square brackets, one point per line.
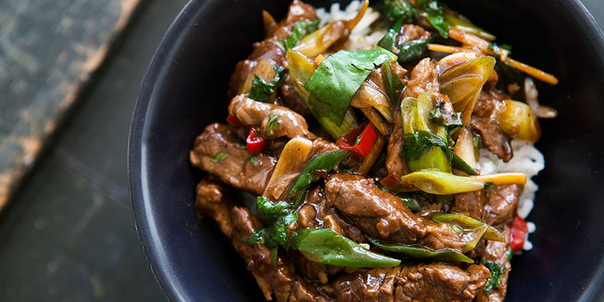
[383, 216]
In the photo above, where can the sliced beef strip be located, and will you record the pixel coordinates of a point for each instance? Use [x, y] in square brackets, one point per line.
[276, 281]
[236, 169]
[496, 252]
[440, 282]
[485, 122]
[287, 122]
[373, 285]
[269, 49]
[314, 212]
[502, 204]
[410, 283]
[500, 211]
[383, 216]
[410, 32]
[424, 79]
[470, 204]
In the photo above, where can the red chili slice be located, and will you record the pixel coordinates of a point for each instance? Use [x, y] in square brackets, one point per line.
[255, 143]
[365, 141]
[231, 119]
[389, 181]
[519, 231]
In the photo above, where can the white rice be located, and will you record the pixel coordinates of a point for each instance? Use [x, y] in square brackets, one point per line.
[527, 159]
[360, 37]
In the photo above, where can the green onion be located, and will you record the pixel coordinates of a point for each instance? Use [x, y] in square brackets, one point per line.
[328, 247]
[445, 255]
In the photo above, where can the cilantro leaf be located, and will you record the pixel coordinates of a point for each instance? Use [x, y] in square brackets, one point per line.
[400, 10]
[262, 90]
[272, 125]
[435, 14]
[417, 143]
[220, 156]
[496, 275]
[300, 30]
[278, 217]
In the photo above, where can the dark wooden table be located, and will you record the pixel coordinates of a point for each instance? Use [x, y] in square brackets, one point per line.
[68, 233]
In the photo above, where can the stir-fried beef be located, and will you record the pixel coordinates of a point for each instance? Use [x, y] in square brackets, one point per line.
[335, 195]
[410, 283]
[422, 282]
[410, 32]
[276, 281]
[374, 285]
[236, 169]
[497, 252]
[315, 212]
[470, 204]
[273, 120]
[440, 282]
[424, 78]
[383, 216]
[269, 49]
[485, 122]
[502, 204]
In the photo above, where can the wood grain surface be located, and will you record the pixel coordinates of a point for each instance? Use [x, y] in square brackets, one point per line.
[48, 51]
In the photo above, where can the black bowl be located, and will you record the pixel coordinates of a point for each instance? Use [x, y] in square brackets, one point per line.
[185, 89]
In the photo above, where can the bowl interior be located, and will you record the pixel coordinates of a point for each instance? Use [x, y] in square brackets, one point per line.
[185, 89]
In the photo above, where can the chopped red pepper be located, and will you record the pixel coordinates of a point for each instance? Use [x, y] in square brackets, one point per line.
[365, 141]
[389, 181]
[519, 231]
[349, 138]
[231, 119]
[255, 143]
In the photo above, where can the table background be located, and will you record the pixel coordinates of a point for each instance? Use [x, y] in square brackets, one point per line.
[68, 232]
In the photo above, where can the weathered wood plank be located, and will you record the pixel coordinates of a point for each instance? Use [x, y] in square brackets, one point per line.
[48, 50]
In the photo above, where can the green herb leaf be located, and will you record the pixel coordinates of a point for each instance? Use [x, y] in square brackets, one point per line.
[418, 143]
[442, 117]
[278, 217]
[509, 254]
[262, 90]
[323, 162]
[272, 125]
[338, 78]
[392, 81]
[435, 14]
[497, 273]
[328, 247]
[400, 10]
[413, 50]
[299, 31]
[270, 210]
[446, 255]
[220, 156]
[254, 159]
[389, 41]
